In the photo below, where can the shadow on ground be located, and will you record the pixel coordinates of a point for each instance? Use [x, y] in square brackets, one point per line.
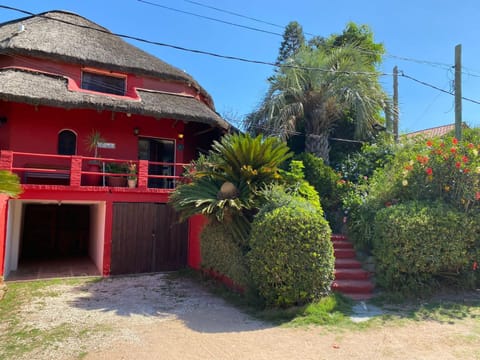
[158, 297]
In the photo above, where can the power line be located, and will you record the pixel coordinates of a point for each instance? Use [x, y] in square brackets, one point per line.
[196, 51]
[402, 74]
[209, 18]
[237, 14]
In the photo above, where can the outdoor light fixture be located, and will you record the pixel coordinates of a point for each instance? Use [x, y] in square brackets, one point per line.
[136, 131]
[180, 136]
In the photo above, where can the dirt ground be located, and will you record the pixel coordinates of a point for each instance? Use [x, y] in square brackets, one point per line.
[155, 317]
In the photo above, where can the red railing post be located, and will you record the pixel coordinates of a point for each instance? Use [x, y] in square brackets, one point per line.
[76, 171]
[6, 160]
[142, 174]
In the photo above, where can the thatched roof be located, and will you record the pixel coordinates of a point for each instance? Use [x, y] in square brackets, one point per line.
[36, 88]
[67, 37]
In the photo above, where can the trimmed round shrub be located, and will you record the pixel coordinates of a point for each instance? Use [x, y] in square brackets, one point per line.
[222, 254]
[418, 246]
[291, 258]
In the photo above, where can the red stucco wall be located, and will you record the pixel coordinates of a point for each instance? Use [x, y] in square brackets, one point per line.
[196, 224]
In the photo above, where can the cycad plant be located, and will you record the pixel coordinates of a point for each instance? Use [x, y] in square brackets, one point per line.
[224, 185]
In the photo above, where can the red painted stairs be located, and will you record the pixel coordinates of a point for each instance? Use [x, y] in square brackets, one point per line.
[350, 279]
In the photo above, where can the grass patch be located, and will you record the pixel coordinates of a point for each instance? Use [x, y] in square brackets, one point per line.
[335, 310]
[18, 339]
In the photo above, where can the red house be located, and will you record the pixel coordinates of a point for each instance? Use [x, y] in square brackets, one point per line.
[62, 79]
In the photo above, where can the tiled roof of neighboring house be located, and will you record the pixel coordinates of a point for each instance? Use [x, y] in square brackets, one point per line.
[435, 131]
[42, 89]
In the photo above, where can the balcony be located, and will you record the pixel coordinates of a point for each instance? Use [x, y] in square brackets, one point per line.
[88, 173]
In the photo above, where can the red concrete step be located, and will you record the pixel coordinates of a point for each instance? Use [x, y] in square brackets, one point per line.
[347, 264]
[338, 237]
[353, 286]
[342, 244]
[345, 253]
[351, 274]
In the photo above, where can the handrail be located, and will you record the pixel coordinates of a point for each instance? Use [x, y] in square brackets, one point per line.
[70, 170]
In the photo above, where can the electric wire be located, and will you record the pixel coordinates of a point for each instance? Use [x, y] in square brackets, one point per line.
[273, 64]
[210, 18]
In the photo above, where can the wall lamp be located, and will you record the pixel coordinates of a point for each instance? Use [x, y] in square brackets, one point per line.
[180, 135]
[136, 131]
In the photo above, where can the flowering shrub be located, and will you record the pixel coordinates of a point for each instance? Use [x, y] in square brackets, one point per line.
[421, 245]
[444, 169]
[435, 172]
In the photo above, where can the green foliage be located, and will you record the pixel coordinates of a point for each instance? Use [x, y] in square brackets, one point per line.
[9, 183]
[302, 97]
[296, 184]
[441, 169]
[293, 40]
[224, 185]
[420, 245]
[220, 252]
[329, 186]
[253, 160]
[291, 258]
[371, 156]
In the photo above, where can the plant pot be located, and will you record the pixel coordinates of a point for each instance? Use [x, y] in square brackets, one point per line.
[92, 179]
[117, 181]
[132, 183]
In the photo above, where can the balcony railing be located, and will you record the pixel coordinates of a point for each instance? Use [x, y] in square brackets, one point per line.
[77, 171]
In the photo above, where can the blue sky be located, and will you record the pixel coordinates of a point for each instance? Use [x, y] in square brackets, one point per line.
[424, 31]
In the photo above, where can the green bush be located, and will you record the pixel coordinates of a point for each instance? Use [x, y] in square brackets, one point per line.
[221, 253]
[291, 258]
[294, 184]
[421, 245]
[329, 186]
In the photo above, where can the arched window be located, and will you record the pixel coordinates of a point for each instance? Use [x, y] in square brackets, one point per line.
[67, 143]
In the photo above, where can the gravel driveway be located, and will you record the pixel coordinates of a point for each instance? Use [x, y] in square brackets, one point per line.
[159, 317]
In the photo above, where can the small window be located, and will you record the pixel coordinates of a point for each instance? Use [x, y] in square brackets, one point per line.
[103, 83]
[67, 143]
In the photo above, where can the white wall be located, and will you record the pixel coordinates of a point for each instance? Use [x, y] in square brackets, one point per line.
[97, 231]
[14, 227]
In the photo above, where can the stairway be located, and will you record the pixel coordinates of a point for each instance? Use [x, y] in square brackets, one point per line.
[350, 279]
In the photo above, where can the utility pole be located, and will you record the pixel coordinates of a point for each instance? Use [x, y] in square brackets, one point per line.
[458, 91]
[395, 103]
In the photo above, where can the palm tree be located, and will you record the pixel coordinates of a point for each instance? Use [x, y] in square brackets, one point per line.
[315, 87]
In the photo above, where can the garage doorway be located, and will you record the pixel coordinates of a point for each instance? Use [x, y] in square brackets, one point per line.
[56, 240]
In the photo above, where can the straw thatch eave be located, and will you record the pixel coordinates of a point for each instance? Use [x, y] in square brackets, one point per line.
[41, 89]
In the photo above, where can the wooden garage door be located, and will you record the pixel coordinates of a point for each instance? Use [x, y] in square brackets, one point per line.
[146, 237]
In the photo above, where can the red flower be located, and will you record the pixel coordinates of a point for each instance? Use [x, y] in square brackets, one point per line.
[470, 146]
[453, 150]
[429, 143]
[477, 195]
[429, 171]
[454, 141]
[464, 159]
[475, 265]
[466, 171]
[457, 165]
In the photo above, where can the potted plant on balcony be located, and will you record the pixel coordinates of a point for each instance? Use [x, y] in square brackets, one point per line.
[119, 180]
[91, 142]
[132, 175]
